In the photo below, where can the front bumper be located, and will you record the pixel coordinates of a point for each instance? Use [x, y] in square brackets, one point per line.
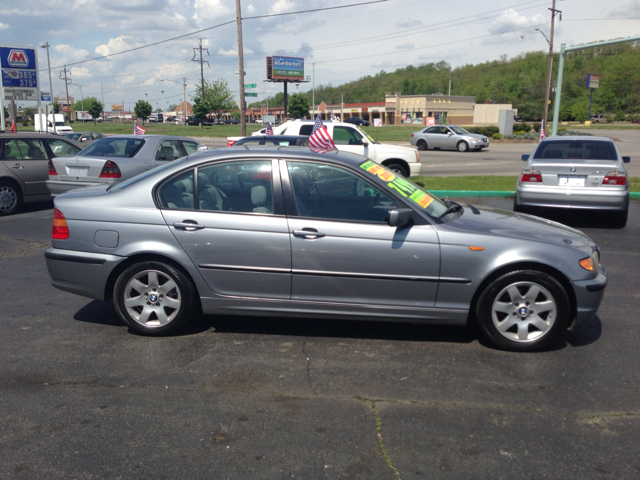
[58, 187]
[415, 169]
[563, 197]
[589, 294]
[82, 273]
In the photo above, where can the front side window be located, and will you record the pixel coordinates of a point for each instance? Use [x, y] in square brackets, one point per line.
[60, 148]
[241, 186]
[168, 150]
[333, 193]
[346, 136]
[113, 147]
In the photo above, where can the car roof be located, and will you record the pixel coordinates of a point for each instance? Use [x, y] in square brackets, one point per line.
[574, 138]
[31, 135]
[181, 137]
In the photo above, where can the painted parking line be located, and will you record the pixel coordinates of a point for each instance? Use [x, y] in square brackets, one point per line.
[472, 164]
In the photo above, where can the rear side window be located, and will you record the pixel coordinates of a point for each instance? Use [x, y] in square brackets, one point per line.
[306, 129]
[25, 148]
[10, 151]
[190, 147]
[168, 150]
[60, 148]
[576, 150]
[177, 193]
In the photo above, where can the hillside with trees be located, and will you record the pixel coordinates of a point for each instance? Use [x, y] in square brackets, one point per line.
[519, 80]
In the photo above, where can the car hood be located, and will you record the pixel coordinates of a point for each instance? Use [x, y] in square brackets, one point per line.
[386, 149]
[517, 226]
[474, 135]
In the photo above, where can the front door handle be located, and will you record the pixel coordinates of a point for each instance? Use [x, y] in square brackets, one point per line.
[188, 225]
[308, 233]
[17, 165]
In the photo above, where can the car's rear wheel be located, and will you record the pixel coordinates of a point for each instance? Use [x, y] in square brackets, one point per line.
[518, 208]
[523, 310]
[422, 144]
[463, 146]
[154, 298]
[620, 218]
[10, 198]
[396, 167]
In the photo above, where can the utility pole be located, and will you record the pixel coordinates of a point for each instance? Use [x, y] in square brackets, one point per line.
[184, 99]
[243, 122]
[550, 65]
[201, 62]
[66, 86]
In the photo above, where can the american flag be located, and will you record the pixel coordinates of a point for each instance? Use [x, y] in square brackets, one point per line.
[269, 129]
[137, 129]
[320, 141]
[542, 134]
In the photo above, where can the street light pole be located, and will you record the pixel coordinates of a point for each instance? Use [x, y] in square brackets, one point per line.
[162, 92]
[46, 45]
[313, 95]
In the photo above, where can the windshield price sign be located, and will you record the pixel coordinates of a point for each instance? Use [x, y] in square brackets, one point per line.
[19, 67]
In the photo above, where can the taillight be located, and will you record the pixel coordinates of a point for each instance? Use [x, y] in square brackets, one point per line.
[412, 134]
[52, 169]
[615, 178]
[531, 176]
[110, 170]
[60, 228]
[230, 142]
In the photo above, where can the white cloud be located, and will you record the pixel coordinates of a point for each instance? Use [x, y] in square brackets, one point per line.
[3, 26]
[251, 9]
[207, 10]
[408, 23]
[179, 17]
[282, 6]
[632, 9]
[80, 72]
[405, 46]
[70, 54]
[512, 20]
[114, 45]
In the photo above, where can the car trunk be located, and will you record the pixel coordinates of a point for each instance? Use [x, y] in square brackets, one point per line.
[587, 173]
[80, 169]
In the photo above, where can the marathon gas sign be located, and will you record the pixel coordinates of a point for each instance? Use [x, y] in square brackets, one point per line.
[12, 57]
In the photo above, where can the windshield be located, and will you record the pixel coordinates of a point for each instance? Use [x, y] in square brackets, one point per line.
[113, 147]
[73, 136]
[61, 124]
[459, 130]
[366, 135]
[576, 149]
[432, 206]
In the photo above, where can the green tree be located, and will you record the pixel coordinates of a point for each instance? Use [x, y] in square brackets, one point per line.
[142, 110]
[6, 112]
[218, 98]
[298, 106]
[56, 107]
[200, 108]
[95, 109]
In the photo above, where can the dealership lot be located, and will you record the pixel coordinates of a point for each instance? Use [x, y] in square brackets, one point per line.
[296, 398]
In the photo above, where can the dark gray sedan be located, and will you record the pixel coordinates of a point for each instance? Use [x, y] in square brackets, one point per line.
[448, 136]
[84, 138]
[116, 158]
[282, 231]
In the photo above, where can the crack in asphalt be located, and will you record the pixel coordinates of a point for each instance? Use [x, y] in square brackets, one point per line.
[31, 245]
[304, 352]
[383, 449]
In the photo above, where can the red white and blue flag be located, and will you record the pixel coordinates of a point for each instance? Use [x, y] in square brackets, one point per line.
[137, 129]
[269, 129]
[542, 134]
[320, 141]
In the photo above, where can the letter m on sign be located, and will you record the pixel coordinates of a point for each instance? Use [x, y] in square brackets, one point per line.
[18, 58]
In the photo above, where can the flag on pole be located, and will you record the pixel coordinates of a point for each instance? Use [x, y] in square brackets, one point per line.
[320, 141]
[522, 36]
[137, 129]
[542, 134]
[13, 127]
[269, 129]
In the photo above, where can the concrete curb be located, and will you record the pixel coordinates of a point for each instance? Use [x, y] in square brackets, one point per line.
[488, 193]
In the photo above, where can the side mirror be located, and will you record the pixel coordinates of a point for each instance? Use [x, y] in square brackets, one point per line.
[626, 159]
[525, 158]
[364, 142]
[399, 217]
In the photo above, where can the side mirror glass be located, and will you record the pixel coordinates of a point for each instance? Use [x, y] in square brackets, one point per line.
[399, 217]
[525, 158]
[626, 159]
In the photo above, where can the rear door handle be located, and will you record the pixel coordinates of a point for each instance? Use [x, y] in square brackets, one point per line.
[17, 165]
[308, 233]
[188, 225]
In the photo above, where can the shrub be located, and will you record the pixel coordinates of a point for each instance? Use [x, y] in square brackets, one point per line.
[488, 131]
[520, 132]
[524, 126]
[537, 126]
[497, 136]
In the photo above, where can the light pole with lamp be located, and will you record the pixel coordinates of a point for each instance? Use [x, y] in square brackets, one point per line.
[162, 92]
[46, 45]
[81, 99]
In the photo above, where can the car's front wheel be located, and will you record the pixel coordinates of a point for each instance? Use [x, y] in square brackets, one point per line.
[10, 198]
[155, 298]
[523, 310]
[463, 146]
[396, 167]
[422, 144]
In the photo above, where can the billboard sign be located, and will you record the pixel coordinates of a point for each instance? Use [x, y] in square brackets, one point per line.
[285, 68]
[116, 108]
[19, 73]
[593, 81]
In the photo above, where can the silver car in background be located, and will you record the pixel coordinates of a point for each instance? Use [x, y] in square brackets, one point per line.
[116, 158]
[283, 231]
[448, 136]
[575, 173]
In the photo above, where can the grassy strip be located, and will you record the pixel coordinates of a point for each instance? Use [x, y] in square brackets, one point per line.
[485, 183]
[165, 129]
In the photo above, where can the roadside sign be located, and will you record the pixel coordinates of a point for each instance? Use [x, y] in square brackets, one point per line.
[593, 81]
[253, 85]
[19, 73]
[45, 96]
[247, 94]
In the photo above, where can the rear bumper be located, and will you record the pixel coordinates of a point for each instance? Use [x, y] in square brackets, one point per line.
[82, 273]
[589, 294]
[58, 187]
[415, 169]
[562, 197]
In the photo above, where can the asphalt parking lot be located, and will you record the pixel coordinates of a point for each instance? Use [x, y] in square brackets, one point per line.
[237, 397]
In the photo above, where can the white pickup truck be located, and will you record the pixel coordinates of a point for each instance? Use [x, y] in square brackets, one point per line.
[350, 138]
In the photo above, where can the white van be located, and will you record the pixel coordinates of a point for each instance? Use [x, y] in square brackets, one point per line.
[55, 124]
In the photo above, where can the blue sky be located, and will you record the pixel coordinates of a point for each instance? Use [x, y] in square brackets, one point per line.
[345, 44]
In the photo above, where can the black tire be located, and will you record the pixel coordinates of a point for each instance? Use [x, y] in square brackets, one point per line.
[10, 198]
[396, 167]
[463, 146]
[518, 208]
[620, 218]
[146, 315]
[422, 144]
[533, 329]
